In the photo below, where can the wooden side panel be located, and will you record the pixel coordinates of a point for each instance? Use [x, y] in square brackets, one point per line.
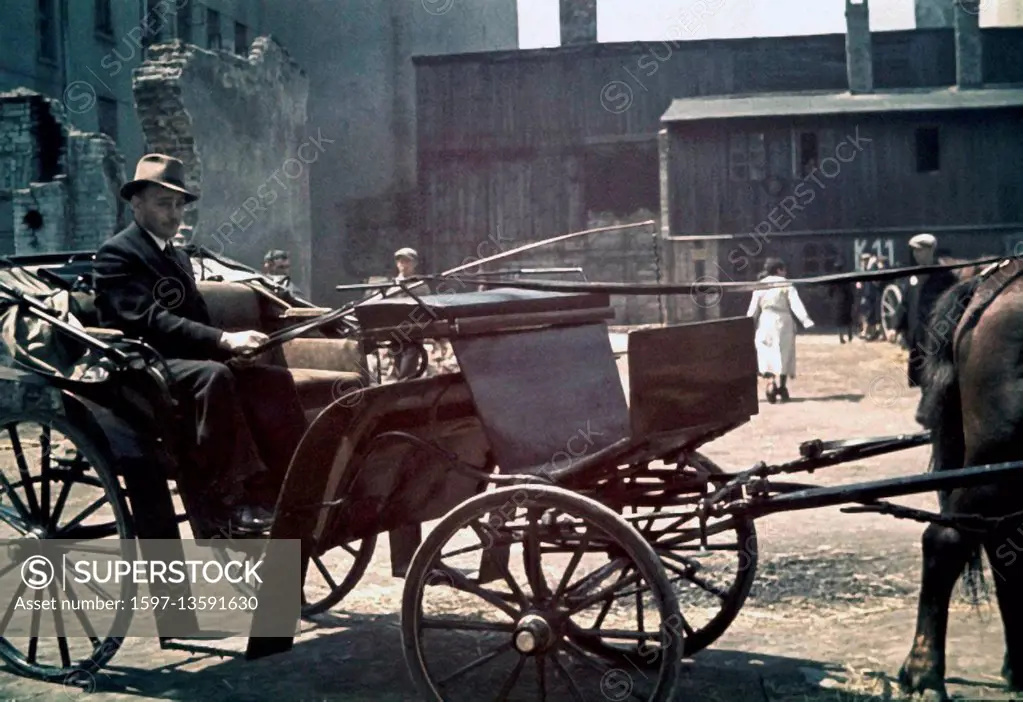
[691, 375]
[546, 398]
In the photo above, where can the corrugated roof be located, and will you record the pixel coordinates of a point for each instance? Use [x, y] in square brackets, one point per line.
[824, 103]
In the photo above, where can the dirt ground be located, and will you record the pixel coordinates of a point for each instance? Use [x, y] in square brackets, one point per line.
[830, 617]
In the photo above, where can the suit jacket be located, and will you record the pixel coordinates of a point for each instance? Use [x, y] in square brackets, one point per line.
[151, 295]
[919, 300]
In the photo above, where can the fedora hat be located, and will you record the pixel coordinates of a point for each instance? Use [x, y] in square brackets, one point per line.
[161, 170]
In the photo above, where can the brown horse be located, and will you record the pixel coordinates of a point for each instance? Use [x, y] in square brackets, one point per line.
[973, 403]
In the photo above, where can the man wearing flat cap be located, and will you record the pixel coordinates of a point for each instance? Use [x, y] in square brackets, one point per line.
[923, 291]
[405, 360]
[145, 287]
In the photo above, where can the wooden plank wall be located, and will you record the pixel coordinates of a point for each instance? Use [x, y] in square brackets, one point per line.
[878, 187]
[554, 97]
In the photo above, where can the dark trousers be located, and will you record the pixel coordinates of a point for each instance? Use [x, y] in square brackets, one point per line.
[247, 424]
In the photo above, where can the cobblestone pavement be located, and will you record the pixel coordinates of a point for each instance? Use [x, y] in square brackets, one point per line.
[830, 617]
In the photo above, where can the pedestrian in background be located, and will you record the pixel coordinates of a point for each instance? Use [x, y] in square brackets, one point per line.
[844, 295]
[775, 311]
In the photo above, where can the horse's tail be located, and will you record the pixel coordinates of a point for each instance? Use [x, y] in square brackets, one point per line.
[940, 407]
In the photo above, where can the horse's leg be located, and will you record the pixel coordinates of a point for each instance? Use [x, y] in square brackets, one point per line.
[945, 554]
[1003, 552]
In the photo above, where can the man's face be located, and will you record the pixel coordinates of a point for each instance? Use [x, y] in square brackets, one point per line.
[282, 266]
[159, 210]
[923, 255]
[406, 266]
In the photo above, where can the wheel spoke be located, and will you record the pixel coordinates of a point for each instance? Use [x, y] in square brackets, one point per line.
[482, 660]
[65, 491]
[466, 625]
[463, 583]
[569, 680]
[534, 564]
[598, 576]
[541, 677]
[82, 618]
[570, 569]
[318, 562]
[33, 642]
[19, 522]
[509, 683]
[8, 489]
[58, 622]
[502, 568]
[26, 477]
[607, 604]
[10, 607]
[86, 513]
[45, 471]
[598, 596]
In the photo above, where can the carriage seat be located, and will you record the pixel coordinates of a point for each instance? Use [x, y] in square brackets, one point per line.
[323, 368]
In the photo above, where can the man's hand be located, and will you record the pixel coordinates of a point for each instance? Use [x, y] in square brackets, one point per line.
[243, 340]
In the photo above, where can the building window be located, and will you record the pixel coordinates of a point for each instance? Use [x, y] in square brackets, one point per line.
[185, 24]
[621, 179]
[241, 39]
[107, 111]
[104, 18]
[747, 156]
[928, 153]
[47, 30]
[807, 154]
[213, 40]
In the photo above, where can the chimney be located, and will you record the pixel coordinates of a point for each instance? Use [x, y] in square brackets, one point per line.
[931, 14]
[578, 22]
[859, 55]
[969, 49]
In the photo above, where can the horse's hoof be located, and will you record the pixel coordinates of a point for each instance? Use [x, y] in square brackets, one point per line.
[920, 685]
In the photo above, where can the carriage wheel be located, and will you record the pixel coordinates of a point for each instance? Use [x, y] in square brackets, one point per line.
[712, 582]
[57, 484]
[474, 625]
[321, 590]
[891, 300]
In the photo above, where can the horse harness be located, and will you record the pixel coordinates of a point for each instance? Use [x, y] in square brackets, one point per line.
[986, 294]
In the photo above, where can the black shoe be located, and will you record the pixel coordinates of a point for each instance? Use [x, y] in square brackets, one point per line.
[248, 519]
[783, 394]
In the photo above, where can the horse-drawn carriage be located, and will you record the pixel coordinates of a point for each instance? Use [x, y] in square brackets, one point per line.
[580, 529]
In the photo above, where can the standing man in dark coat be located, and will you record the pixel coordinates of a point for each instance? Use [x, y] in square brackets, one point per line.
[146, 288]
[922, 294]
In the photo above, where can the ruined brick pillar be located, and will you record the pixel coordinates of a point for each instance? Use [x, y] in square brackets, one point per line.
[58, 186]
[578, 22]
[239, 125]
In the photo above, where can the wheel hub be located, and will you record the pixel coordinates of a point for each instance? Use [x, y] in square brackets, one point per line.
[533, 635]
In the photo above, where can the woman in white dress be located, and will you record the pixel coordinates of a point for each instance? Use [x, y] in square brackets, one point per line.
[775, 310]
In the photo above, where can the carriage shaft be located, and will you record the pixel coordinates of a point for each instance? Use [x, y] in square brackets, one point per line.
[813, 498]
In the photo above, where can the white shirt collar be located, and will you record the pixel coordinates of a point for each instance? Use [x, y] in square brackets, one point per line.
[160, 243]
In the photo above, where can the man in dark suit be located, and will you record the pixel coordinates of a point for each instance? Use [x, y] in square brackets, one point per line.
[913, 319]
[146, 288]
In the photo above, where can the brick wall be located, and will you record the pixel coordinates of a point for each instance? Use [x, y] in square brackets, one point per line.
[96, 208]
[68, 179]
[239, 125]
[51, 201]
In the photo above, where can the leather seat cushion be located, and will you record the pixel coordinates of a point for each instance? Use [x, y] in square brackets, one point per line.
[233, 306]
[318, 388]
